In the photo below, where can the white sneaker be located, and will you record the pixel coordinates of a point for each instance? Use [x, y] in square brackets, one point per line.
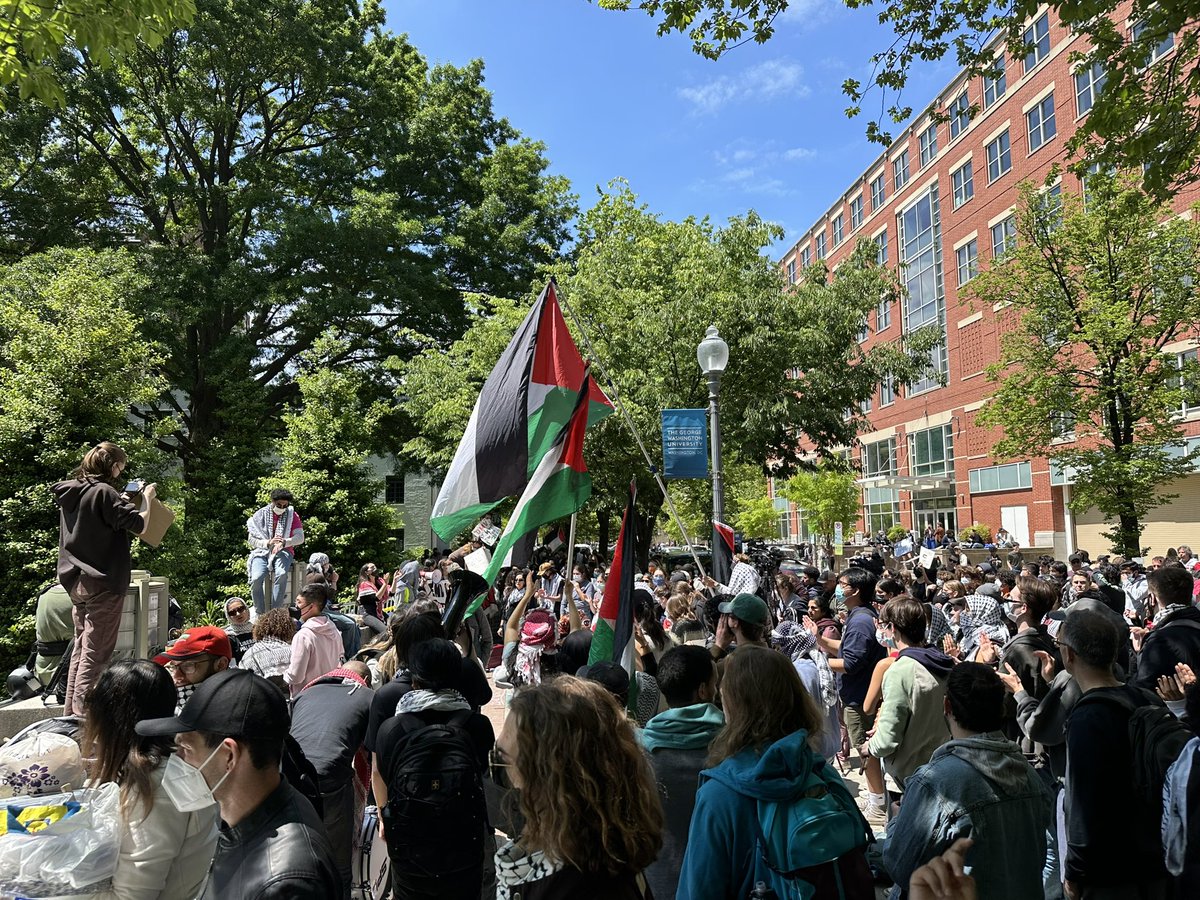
[875, 815]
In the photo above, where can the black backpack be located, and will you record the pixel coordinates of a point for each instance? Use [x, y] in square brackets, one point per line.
[436, 813]
[301, 773]
[1156, 739]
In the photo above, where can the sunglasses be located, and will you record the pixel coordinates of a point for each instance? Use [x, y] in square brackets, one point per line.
[238, 610]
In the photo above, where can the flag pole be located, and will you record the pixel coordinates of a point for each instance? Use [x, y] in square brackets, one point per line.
[616, 397]
[568, 585]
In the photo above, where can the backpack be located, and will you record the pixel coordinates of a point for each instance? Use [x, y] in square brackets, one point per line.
[302, 774]
[1156, 738]
[436, 813]
[795, 837]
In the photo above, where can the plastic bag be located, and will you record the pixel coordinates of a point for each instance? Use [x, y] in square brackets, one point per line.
[75, 855]
[41, 763]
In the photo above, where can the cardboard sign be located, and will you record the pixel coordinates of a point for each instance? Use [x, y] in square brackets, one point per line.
[486, 533]
[160, 519]
[927, 557]
[478, 561]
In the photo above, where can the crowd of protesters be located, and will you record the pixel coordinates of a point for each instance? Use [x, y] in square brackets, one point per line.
[1024, 728]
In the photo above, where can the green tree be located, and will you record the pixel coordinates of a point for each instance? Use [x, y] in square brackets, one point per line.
[35, 32]
[645, 290]
[828, 494]
[282, 166]
[324, 462]
[73, 362]
[1097, 292]
[1144, 114]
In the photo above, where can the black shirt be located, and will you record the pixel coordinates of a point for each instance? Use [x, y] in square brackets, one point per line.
[329, 722]
[473, 686]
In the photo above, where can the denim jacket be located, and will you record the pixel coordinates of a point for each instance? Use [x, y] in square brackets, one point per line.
[979, 787]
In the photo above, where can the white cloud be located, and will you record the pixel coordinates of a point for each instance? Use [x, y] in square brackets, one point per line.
[765, 81]
[806, 13]
[798, 153]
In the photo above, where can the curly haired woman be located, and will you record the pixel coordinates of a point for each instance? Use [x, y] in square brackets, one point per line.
[588, 796]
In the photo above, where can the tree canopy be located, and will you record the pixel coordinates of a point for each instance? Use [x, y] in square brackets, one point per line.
[1099, 292]
[35, 32]
[278, 168]
[1144, 113]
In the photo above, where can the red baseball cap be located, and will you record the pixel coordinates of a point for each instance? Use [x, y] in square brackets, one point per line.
[196, 642]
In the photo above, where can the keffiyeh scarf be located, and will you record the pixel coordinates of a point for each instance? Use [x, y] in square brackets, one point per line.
[1166, 612]
[437, 701]
[514, 867]
[794, 640]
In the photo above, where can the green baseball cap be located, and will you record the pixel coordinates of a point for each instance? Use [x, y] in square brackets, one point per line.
[747, 608]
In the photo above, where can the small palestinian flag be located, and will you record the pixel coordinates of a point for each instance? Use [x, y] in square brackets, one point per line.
[722, 552]
[613, 637]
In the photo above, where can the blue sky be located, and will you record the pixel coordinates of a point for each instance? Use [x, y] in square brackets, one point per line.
[762, 128]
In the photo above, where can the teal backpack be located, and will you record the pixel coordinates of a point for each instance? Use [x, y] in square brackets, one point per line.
[821, 826]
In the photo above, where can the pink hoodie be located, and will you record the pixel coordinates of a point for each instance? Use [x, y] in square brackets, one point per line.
[316, 649]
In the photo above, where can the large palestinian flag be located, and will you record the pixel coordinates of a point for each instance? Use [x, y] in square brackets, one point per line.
[523, 405]
[613, 637]
[558, 487]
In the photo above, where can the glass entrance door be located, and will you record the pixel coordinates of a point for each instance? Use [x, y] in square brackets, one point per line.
[934, 512]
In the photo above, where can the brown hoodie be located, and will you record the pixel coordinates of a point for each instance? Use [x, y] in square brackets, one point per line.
[96, 527]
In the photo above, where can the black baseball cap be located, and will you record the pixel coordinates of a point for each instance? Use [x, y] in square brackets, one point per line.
[232, 703]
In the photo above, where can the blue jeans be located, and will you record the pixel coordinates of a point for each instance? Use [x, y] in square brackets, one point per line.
[256, 569]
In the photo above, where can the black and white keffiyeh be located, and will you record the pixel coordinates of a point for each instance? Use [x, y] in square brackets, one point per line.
[515, 867]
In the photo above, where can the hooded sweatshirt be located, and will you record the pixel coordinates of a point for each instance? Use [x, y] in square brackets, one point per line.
[96, 527]
[911, 724]
[677, 741]
[316, 649]
[982, 787]
[722, 859]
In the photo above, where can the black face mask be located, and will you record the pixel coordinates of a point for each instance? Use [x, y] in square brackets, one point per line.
[294, 612]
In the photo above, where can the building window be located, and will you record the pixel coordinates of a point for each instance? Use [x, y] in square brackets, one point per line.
[393, 489]
[856, 213]
[805, 258]
[1040, 120]
[1010, 477]
[995, 84]
[882, 509]
[920, 252]
[887, 392]
[821, 245]
[963, 181]
[999, 156]
[967, 257]
[1189, 383]
[791, 270]
[931, 452]
[1051, 202]
[1004, 236]
[1088, 84]
[883, 315]
[879, 458]
[881, 244]
[900, 170]
[839, 229]
[928, 145]
[865, 406]
[1037, 38]
[1161, 48]
[1062, 426]
[960, 115]
[878, 192]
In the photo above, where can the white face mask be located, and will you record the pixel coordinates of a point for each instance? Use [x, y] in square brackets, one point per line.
[185, 786]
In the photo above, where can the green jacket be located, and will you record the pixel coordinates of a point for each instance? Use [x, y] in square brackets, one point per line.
[911, 723]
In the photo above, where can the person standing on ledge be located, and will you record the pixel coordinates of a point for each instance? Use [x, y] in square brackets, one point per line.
[96, 526]
[273, 533]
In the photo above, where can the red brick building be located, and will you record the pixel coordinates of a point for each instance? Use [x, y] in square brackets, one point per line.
[940, 201]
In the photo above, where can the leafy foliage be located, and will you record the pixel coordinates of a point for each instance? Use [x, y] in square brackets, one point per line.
[36, 31]
[73, 362]
[281, 167]
[1097, 292]
[1144, 114]
[828, 495]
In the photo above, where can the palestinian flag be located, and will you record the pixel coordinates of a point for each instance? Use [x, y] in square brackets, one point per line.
[558, 487]
[722, 552]
[613, 637]
[522, 407]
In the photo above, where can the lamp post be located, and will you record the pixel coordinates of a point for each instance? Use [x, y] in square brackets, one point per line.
[713, 357]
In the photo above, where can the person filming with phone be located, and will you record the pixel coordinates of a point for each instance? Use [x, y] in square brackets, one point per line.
[96, 526]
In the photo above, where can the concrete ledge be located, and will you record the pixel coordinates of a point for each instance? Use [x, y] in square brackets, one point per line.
[16, 716]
